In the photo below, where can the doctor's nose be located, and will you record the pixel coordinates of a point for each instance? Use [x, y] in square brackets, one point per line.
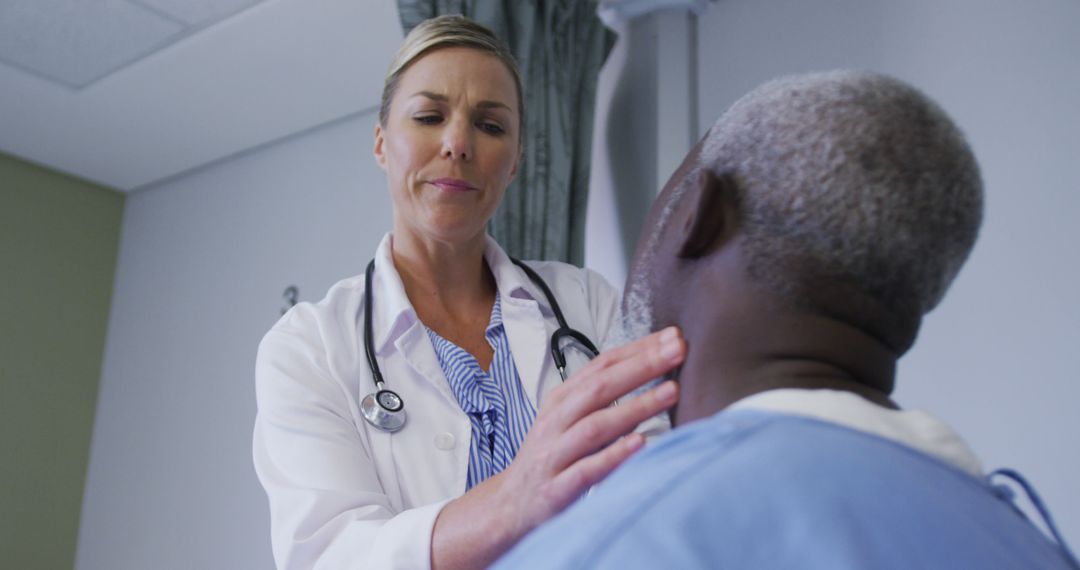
[457, 142]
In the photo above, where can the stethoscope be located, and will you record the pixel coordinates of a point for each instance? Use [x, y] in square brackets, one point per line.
[385, 410]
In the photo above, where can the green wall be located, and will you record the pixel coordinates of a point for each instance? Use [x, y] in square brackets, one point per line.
[58, 244]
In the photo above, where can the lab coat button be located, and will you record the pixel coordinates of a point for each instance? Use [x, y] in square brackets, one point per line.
[444, 441]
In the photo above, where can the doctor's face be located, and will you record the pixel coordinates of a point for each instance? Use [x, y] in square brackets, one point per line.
[450, 143]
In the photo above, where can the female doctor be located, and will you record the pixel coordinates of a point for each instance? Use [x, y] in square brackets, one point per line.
[437, 471]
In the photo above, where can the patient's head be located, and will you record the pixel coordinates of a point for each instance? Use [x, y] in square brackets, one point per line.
[847, 194]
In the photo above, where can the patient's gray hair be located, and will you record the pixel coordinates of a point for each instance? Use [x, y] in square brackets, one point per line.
[850, 178]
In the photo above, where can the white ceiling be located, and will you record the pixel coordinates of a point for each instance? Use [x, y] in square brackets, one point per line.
[129, 92]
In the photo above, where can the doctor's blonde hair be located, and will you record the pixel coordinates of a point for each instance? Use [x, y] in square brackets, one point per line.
[452, 30]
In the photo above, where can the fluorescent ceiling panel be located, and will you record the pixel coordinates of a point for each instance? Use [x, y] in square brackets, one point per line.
[199, 12]
[75, 42]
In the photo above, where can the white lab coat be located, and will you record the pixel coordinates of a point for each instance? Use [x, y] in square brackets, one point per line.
[346, 495]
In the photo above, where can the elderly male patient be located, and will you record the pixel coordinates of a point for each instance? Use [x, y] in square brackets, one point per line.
[798, 247]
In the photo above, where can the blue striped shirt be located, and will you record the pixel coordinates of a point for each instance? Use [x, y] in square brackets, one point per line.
[495, 401]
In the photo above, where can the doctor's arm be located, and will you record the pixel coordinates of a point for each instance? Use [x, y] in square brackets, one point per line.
[328, 508]
[573, 444]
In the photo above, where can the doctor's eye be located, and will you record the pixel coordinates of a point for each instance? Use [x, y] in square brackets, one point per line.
[428, 119]
[491, 128]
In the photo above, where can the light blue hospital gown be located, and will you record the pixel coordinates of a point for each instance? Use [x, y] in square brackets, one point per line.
[749, 489]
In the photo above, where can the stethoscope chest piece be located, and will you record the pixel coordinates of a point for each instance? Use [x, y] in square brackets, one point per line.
[384, 410]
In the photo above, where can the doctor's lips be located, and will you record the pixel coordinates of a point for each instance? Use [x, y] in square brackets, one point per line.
[452, 184]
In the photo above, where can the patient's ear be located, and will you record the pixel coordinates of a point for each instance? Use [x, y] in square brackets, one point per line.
[707, 213]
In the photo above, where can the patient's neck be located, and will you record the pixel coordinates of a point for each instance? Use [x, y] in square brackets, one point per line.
[744, 341]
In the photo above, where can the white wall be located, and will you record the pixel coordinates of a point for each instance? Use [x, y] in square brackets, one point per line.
[997, 358]
[203, 263]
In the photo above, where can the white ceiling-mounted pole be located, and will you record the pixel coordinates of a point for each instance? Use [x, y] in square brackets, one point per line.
[676, 89]
[646, 121]
[674, 77]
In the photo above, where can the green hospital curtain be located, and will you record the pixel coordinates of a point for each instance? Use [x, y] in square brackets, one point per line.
[560, 47]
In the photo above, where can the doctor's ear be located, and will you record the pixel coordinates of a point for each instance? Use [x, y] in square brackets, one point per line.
[380, 155]
[707, 215]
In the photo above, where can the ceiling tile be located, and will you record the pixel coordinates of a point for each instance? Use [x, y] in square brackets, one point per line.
[74, 42]
[219, 91]
[199, 12]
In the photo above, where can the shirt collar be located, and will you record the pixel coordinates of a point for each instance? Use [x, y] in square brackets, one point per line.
[511, 281]
[394, 314]
[912, 428]
[495, 322]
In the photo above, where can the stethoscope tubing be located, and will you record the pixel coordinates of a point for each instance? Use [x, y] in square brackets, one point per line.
[392, 418]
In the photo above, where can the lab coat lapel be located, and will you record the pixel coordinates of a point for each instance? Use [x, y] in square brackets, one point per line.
[415, 346]
[397, 325]
[527, 334]
[527, 331]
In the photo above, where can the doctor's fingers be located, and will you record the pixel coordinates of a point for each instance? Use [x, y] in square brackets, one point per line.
[599, 429]
[614, 374]
[590, 470]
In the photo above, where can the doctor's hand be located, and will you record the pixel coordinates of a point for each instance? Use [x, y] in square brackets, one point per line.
[577, 439]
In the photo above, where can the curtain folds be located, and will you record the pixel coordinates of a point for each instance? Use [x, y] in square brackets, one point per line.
[560, 47]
